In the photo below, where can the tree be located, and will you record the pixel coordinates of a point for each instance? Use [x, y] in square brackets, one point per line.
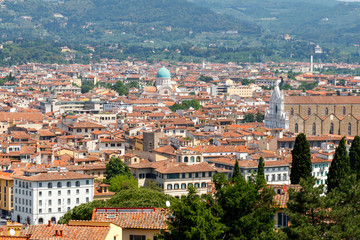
[354, 154]
[340, 166]
[82, 212]
[237, 172]
[260, 177]
[192, 217]
[301, 159]
[306, 209]
[116, 167]
[245, 81]
[249, 117]
[205, 78]
[245, 209]
[121, 182]
[120, 88]
[86, 86]
[259, 117]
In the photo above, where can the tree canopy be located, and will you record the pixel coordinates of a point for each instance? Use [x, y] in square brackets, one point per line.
[301, 159]
[116, 167]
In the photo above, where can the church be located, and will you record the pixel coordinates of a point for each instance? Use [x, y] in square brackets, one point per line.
[314, 115]
[163, 85]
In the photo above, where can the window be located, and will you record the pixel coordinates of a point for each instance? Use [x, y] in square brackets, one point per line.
[203, 185]
[77, 200]
[291, 111]
[190, 175]
[49, 210]
[49, 194]
[186, 159]
[40, 202]
[183, 186]
[349, 129]
[87, 190]
[176, 186]
[314, 129]
[196, 185]
[40, 194]
[183, 175]
[309, 111]
[49, 185]
[87, 199]
[169, 186]
[87, 182]
[41, 220]
[77, 191]
[59, 185]
[173, 175]
[210, 174]
[279, 177]
[77, 184]
[296, 128]
[331, 128]
[40, 184]
[344, 110]
[272, 177]
[59, 209]
[284, 177]
[50, 202]
[276, 109]
[198, 159]
[326, 111]
[203, 174]
[68, 192]
[40, 211]
[68, 184]
[282, 220]
[59, 201]
[192, 159]
[196, 175]
[137, 237]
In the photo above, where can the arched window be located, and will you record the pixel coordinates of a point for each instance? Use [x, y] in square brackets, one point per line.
[309, 111]
[18, 218]
[28, 220]
[196, 185]
[314, 129]
[198, 159]
[186, 159]
[41, 220]
[49, 185]
[331, 128]
[77, 184]
[183, 185]
[344, 110]
[203, 185]
[296, 128]
[53, 220]
[68, 184]
[169, 186]
[326, 111]
[276, 109]
[59, 185]
[190, 184]
[176, 186]
[192, 159]
[349, 129]
[292, 111]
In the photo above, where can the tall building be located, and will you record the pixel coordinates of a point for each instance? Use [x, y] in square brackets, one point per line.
[41, 196]
[275, 115]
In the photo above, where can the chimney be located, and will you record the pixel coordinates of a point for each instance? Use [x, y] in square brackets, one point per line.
[60, 233]
[49, 223]
[56, 233]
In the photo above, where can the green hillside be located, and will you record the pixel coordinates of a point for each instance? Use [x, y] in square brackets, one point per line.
[89, 21]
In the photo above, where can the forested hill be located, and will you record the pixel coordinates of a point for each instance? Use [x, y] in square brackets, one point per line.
[86, 21]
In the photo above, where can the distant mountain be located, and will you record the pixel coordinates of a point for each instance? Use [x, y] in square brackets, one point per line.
[89, 21]
[327, 21]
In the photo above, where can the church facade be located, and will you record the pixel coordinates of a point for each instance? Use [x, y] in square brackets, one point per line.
[315, 115]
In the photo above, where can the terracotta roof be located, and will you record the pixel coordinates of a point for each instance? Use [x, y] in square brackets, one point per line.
[322, 100]
[17, 116]
[46, 232]
[143, 218]
[52, 176]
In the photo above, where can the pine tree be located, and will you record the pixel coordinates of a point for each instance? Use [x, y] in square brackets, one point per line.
[340, 166]
[301, 159]
[354, 155]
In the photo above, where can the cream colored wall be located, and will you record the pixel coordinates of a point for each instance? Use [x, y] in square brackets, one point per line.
[115, 231]
[148, 233]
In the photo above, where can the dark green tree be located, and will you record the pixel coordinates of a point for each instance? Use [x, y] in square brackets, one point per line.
[301, 159]
[259, 117]
[340, 166]
[354, 154]
[245, 209]
[87, 86]
[116, 167]
[245, 81]
[249, 117]
[192, 217]
[260, 177]
[121, 182]
[306, 209]
[237, 172]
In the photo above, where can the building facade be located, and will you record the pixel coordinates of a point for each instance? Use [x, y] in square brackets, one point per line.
[40, 197]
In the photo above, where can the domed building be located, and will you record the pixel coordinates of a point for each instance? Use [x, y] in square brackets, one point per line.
[164, 85]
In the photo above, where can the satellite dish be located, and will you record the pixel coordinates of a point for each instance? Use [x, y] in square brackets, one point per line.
[167, 203]
[12, 232]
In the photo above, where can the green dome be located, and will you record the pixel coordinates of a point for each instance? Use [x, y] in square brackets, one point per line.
[163, 73]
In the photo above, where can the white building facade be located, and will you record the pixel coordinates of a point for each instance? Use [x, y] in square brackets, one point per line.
[43, 197]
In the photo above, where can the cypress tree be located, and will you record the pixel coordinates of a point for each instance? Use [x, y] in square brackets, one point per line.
[354, 155]
[301, 159]
[237, 172]
[340, 166]
[260, 177]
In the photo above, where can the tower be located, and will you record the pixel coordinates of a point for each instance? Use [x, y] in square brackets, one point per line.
[275, 115]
